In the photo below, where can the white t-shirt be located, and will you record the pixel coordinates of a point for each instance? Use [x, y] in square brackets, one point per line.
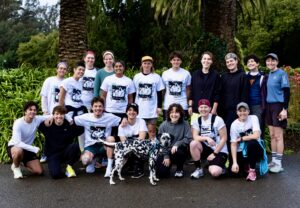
[73, 90]
[176, 83]
[207, 131]
[88, 80]
[50, 90]
[147, 87]
[239, 128]
[133, 130]
[95, 128]
[25, 132]
[117, 90]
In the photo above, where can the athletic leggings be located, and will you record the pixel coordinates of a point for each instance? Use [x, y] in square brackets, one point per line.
[178, 158]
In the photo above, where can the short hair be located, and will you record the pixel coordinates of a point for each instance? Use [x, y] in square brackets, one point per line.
[59, 109]
[120, 62]
[178, 108]
[174, 54]
[89, 52]
[96, 100]
[29, 104]
[80, 63]
[251, 56]
[208, 53]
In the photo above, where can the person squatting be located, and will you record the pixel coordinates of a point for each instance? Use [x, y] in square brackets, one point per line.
[227, 114]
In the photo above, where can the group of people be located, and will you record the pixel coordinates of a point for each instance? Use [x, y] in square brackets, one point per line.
[227, 116]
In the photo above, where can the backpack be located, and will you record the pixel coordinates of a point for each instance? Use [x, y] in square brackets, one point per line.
[213, 118]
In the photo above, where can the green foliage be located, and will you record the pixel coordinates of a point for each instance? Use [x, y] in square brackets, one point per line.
[17, 87]
[279, 32]
[41, 50]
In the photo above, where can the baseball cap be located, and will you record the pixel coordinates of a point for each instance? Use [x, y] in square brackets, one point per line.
[242, 105]
[134, 106]
[147, 58]
[203, 102]
[271, 55]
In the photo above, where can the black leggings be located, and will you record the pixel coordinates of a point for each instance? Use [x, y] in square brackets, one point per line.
[178, 158]
[255, 153]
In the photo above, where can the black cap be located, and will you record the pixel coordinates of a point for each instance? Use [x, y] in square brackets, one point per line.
[134, 106]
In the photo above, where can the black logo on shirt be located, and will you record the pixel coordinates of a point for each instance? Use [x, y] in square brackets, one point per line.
[88, 83]
[97, 132]
[56, 92]
[175, 88]
[118, 92]
[76, 96]
[145, 90]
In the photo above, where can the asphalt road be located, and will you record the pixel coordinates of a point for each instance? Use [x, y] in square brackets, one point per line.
[92, 190]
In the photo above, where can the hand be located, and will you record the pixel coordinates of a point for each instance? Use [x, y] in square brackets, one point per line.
[174, 149]
[158, 111]
[190, 110]
[210, 142]
[48, 122]
[211, 157]
[46, 113]
[167, 162]
[282, 115]
[235, 168]
[124, 122]
[214, 111]
[71, 122]
[238, 139]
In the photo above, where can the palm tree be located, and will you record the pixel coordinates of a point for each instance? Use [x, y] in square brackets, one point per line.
[218, 17]
[72, 30]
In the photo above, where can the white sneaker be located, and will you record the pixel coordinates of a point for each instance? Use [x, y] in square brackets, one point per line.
[17, 171]
[107, 172]
[276, 169]
[197, 173]
[43, 159]
[90, 168]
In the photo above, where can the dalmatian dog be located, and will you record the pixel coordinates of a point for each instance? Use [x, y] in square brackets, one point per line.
[144, 149]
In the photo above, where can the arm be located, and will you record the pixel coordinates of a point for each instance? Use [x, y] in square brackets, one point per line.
[130, 98]
[45, 105]
[62, 95]
[103, 95]
[223, 139]
[214, 108]
[235, 166]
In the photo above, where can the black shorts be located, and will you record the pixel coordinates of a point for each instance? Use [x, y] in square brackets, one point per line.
[27, 155]
[272, 112]
[219, 160]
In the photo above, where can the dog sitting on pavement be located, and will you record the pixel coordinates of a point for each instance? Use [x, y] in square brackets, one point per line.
[144, 149]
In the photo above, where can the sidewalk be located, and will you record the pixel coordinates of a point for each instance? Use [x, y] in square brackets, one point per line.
[92, 190]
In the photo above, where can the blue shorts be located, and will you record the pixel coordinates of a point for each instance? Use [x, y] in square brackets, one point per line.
[96, 149]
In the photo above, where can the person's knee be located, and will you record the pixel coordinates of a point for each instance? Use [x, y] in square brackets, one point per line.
[38, 171]
[215, 172]
[17, 152]
[110, 139]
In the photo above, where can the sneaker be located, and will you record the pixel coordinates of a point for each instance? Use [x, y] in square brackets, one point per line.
[179, 174]
[104, 162]
[70, 173]
[90, 168]
[107, 172]
[17, 171]
[197, 173]
[43, 159]
[271, 164]
[137, 174]
[251, 175]
[276, 169]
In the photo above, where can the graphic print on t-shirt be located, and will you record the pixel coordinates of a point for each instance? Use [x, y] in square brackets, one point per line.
[55, 92]
[76, 95]
[118, 92]
[246, 133]
[145, 90]
[175, 88]
[97, 132]
[88, 83]
[207, 131]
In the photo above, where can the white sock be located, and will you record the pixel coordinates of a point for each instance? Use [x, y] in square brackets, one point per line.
[278, 159]
[274, 154]
[109, 163]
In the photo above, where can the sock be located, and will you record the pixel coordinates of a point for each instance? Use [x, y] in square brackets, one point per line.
[197, 164]
[278, 159]
[109, 163]
[274, 154]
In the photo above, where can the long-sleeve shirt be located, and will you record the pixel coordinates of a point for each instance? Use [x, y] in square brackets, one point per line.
[204, 86]
[57, 138]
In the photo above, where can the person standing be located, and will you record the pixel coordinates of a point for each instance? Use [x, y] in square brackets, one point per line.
[278, 96]
[50, 92]
[107, 70]
[177, 82]
[149, 86]
[204, 85]
[20, 148]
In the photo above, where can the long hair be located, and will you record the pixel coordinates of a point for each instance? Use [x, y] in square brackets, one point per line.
[178, 108]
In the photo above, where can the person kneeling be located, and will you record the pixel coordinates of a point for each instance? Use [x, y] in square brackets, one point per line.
[246, 146]
[59, 144]
[209, 141]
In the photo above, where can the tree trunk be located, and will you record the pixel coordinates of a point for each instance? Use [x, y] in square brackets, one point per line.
[72, 30]
[219, 18]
